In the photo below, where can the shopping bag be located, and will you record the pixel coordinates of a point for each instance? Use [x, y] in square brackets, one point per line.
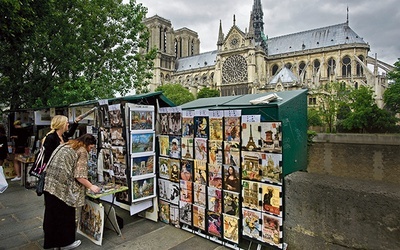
[3, 181]
[40, 183]
[38, 165]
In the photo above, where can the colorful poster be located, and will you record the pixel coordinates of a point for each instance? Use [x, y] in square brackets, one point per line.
[231, 178]
[141, 119]
[231, 228]
[272, 199]
[163, 212]
[91, 221]
[174, 147]
[252, 224]
[272, 168]
[252, 165]
[186, 191]
[163, 167]
[142, 142]
[250, 195]
[271, 230]
[214, 225]
[187, 170]
[174, 123]
[201, 128]
[215, 152]
[174, 167]
[199, 217]
[163, 141]
[231, 203]
[199, 197]
[174, 215]
[187, 147]
[200, 173]
[143, 189]
[214, 199]
[142, 166]
[200, 149]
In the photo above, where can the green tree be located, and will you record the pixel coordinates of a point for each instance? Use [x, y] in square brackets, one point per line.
[207, 92]
[391, 97]
[53, 51]
[176, 93]
[313, 117]
[365, 116]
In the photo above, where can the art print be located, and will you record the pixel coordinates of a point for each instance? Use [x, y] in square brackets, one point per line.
[163, 212]
[252, 165]
[174, 167]
[174, 215]
[141, 120]
[200, 172]
[187, 146]
[272, 199]
[173, 193]
[175, 147]
[231, 178]
[188, 127]
[123, 197]
[232, 129]
[201, 128]
[199, 197]
[119, 173]
[271, 137]
[251, 224]
[271, 232]
[117, 138]
[251, 136]
[185, 212]
[250, 195]
[105, 138]
[174, 123]
[91, 222]
[231, 203]
[199, 217]
[164, 119]
[163, 167]
[232, 153]
[141, 143]
[186, 191]
[216, 125]
[215, 152]
[215, 176]
[163, 189]
[142, 165]
[200, 146]
[214, 224]
[214, 199]
[231, 228]
[118, 155]
[187, 170]
[272, 168]
[114, 114]
[163, 141]
[143, 189]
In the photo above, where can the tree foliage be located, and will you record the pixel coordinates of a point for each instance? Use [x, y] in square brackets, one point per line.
[313, 117]
[391, 96]
[58, 52]
[176, 93]
[207, 92]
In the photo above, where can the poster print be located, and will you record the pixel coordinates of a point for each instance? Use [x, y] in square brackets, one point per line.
[91, 222]
[118, 155]
[201, 127]
[174, 215]
[164, 122]
[123, 197]
[272, 198]
[114, 113]
[143, 189]
[250, 194]
[188, 123]
[252, 224]
[174, 169]
[199, 197]
[185, 212]
[232, 153]
[231, 228]
[175, 147]
[141, 119]
[271, 232]
[186, 191]
[142, 166]
[142, 142]
[214, 224]
[215, 176]
[200, 149]
[163, 189]
[271, 137]
[215, 152]
[187, 146]
[231, 203]
[163, 167]
[199, 217]
[232, 129]
[272, 168]
[117, 138]
[174, 123]
[214, 199]
[173, 192]
[163, 212]
[231, 178]
[200, 174]
[251, 136]
[216, 125]
[252, 165]
[163, 141]
[187, 170]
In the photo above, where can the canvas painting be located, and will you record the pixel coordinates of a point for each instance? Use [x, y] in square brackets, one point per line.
[141, 143]
[142, 166]
[141, 119]
[91, 222]
[143, 189]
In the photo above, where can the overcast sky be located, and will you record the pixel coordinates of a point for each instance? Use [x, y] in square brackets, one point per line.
[377, 22]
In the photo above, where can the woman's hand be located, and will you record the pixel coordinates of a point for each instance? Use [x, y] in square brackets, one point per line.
[94, 189]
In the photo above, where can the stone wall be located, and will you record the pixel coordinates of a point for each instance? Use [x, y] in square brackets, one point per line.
[350, 197]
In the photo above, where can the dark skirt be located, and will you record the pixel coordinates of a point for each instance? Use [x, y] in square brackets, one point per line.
[59, 222]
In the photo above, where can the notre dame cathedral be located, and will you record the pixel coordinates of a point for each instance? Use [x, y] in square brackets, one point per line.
[249, 61]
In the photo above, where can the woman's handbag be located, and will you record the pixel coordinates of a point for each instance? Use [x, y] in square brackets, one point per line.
[40, 183]
[38, 166]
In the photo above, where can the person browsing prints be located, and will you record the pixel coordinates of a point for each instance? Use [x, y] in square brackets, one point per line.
[64, 190]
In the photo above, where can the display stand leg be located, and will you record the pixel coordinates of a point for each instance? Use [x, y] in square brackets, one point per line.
[111, 217]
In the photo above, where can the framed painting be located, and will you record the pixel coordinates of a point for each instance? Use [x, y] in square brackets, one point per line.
[142, 142]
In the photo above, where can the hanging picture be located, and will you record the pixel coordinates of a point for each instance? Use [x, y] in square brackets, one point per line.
[251, 136]
[173, 192]
[214, 199]
[164, 123]
[232, 129]
[143, 189]
[174, 169]
[91, 221]
[117, 138]
[163, 145]
[187, 124]
[200, 146]
[163, 167]
[252, 165]
[216, 125]
[215, 152]
[186, 191]
[201, 128]
[142, 166]
[114, 114]
[271, 230]
[250, 195]
[231, 178]
[200, 173]
[142, 119]
[231, 228]
[215, 176]
[187, 146]
[163, 189]
[174, 215]
[142, 142]
[231, 203]
[252, 224]
[174, 147]
[271, 137]
[272, 168]
[163, 212]
[199, 197]
[199, 217]
[231, 153]
[187, 170]
[174, 123]
[185, 212]
[271, 198]
[214, 223]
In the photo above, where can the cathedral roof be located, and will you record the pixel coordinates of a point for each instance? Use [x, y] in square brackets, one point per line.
[314, 39]
[198, 61]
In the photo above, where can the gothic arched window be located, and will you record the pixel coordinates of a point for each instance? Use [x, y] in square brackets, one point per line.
[360, 70]
[346, 66]
[274, 69]
[331, 67]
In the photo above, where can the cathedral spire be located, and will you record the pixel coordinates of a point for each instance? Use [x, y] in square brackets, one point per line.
[258, 24]
[250, 34]
[220, 35]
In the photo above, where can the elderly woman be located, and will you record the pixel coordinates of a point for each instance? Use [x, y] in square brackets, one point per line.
[64, 190]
